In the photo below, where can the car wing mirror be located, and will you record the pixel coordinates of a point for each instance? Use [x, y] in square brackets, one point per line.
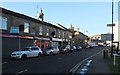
[29, 50]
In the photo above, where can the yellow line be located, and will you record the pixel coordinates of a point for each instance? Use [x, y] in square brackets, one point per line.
[84, 60]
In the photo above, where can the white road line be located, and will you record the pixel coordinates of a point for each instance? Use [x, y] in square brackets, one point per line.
[59, 58]
[22, 71]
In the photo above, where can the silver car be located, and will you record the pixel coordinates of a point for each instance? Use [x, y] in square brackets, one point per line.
[51, 51]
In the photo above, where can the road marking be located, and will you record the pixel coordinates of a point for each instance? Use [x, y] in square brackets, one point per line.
[22, 71]
[77, 65]
[59, 58]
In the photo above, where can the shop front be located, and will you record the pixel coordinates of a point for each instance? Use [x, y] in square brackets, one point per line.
[56, 42]
[42, 42]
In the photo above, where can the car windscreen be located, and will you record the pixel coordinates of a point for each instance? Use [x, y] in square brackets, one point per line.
[63, 47]
[25, 49]
[74, 47]
[48, 48]
[54, 48]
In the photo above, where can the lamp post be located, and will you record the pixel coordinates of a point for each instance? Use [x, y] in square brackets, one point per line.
[112, 31]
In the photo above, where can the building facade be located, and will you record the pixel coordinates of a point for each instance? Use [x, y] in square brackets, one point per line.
[116, 32]
[19, 31]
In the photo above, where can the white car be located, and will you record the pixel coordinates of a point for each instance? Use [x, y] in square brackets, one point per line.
[27, 52]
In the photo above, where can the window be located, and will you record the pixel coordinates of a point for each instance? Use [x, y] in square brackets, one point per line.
[26, 27]
[48, 33]
[42, 46]
[59, 34]
[34, 48]
[41, 31]
[63, 35]
[3, 23]
[55, 33]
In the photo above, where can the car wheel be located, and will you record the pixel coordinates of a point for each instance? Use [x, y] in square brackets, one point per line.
[39, 54]
[24, 56]
[51, 53]
[58, 52]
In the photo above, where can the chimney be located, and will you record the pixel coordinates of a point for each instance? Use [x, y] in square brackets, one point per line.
[77, 29]
[41, 15]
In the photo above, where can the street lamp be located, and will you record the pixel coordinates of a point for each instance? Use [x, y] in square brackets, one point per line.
[111, 25]
[112, 31]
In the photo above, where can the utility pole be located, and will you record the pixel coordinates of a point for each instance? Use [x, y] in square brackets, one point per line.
[112, 31]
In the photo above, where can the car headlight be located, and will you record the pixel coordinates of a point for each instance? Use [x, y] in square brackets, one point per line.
[19, 53]
[48, 52]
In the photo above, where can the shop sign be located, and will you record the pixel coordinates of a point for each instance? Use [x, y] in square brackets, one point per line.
[12, 36]
[56, 39]
[42, 38]
[28, 37]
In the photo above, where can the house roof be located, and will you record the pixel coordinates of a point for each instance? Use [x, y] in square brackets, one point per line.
[28, 18]
[64, 27]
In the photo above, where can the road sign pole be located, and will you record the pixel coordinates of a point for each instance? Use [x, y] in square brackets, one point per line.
[112, 31]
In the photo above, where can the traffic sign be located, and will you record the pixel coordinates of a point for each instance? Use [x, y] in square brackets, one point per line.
[110, 25]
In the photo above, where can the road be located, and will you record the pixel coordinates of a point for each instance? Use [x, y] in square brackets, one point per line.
[61, 63]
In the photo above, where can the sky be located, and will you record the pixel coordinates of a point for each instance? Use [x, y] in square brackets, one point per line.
[87, 16]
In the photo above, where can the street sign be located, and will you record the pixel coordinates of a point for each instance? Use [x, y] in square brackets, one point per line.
[110, 25]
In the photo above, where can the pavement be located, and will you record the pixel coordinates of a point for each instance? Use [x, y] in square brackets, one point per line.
[98, 65]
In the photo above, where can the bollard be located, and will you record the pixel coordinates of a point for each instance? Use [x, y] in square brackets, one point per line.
[104, 53]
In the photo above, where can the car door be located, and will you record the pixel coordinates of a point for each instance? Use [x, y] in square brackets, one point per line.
[30, 53]
[54, 50]
[34, 52]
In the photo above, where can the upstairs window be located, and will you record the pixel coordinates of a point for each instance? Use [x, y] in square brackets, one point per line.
[26, 27]
[48, 32]
[59, 34]
[63, 35]
[55, 34]
[3, 23]
[41, 31]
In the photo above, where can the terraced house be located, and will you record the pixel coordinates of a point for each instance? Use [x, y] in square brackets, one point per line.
[19, 31]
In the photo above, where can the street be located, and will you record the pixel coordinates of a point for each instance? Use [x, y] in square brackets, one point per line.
[66, 37]
[61, 63]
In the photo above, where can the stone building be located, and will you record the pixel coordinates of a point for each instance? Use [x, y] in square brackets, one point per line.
[80, 38]
[22, 31]
[67, 35]
[116, 31]
[19, 31]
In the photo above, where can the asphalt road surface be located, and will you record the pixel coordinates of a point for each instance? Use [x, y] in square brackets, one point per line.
[61, 63]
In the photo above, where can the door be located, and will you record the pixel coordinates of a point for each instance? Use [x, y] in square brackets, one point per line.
[34, 51]
[30, 53]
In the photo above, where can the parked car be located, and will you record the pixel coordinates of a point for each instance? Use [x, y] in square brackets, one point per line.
[73, 48]
[51, 51]
[91, 46]
[78, 48]
[100, 45]
[65, 48]
[27, 52]
[87, 46]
